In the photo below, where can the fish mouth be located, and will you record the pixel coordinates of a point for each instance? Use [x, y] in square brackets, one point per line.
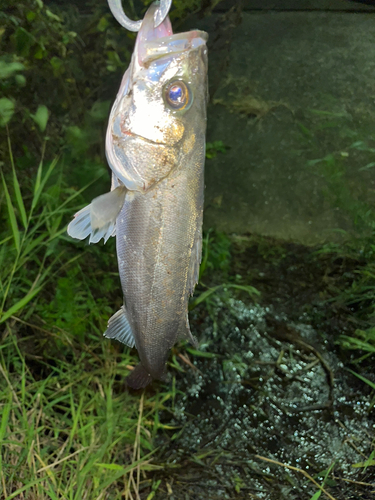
[154, 43]
[129, 133]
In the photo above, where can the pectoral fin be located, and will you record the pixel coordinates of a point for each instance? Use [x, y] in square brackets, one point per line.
[120, 329]
[99, 218]
[80, 226]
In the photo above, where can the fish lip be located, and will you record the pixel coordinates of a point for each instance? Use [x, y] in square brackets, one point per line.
[129, 133]
[157, 48]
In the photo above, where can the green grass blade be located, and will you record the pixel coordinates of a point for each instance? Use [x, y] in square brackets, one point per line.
[364, 379]
[370, 462]
[317, 495]
[4, 422]
[354, 343]
[246, 288]
[20, 304]
[17, 191]
[41, 181]
[124, 470]
[201, 354]
[7, 238]
[12, 216]
[5, 416]
[19, 199]
[38, 179]
[16, 187]
[203, 296]
[25, 488]
[52, 493]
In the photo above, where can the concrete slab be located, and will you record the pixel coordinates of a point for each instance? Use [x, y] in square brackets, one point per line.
[291, 93]
[283, 5]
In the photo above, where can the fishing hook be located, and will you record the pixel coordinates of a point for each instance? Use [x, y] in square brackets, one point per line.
[119, 14]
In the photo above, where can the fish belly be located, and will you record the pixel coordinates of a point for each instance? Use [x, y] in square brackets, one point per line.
[158, 244]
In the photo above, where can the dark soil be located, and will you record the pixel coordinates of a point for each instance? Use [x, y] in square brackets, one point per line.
[270, 382]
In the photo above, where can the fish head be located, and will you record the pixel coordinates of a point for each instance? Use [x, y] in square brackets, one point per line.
[161, 104]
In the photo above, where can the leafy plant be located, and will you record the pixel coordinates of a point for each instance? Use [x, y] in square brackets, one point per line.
[215, 253]
[213, 148]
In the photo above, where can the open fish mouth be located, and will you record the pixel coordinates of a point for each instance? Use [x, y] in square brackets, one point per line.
[154, 43]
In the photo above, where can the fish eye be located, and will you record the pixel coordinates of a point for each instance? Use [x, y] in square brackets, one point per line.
[177, 95]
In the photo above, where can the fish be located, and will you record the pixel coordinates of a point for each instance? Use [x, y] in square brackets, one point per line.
[155, 147]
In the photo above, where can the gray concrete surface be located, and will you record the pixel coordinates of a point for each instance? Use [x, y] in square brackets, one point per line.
[287, 89]
[325, 5]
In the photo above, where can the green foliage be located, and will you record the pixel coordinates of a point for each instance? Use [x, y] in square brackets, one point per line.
[184, 7]
[6, 110]
[31, 249]
[364, 379]
[204, 296]
[71, 305]
[213, 148]
[370, 462]
[19, 286]
[9, 69]
[55, 66]
[216, 261]
[215, 253]
[41, 117]
[363, 340]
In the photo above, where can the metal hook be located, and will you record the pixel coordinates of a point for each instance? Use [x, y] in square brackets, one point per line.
[119, 14]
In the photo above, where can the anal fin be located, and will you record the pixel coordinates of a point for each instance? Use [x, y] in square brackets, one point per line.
[185, 333]
[195, 260]
[120, 329]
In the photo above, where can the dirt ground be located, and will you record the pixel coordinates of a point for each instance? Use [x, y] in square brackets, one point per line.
[270, 410]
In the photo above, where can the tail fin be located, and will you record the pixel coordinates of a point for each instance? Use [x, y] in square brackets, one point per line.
[138, 378]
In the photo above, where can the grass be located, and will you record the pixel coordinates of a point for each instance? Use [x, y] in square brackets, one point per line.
[29, 256]
[68, 429]
[72, 431]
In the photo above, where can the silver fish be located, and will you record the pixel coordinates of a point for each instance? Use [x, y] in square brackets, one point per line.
[155, 146]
